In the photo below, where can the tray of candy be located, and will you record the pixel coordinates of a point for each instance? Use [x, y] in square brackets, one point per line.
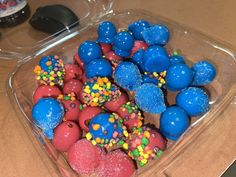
[190, 44]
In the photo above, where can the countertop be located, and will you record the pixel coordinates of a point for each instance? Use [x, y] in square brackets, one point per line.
[214, 150]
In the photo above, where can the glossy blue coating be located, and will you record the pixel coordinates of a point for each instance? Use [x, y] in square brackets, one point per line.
[176, 59]
[156, 35]
[193, 100]
[204, 73]
[178, 77]
[127, 76]
[123, 43]
[106, 32]
[89, 50]
[44, 60]
[148, 79]
[155, 59]
[47, 113]
[98, 67]
[173, 122]
[137, 27]
[150, 98]
[106, 127]
[137, 59]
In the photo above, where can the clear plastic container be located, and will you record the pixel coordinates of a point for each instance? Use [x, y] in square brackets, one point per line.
[193, 45]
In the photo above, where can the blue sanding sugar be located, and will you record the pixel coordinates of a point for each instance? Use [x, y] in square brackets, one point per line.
[204, 73]
[127, 75]
[150, 98]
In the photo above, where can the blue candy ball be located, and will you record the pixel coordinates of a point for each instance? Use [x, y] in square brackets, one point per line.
[101, 126]
[127, 76]
[123, 43]
[173, 122]
[88, 51]
[193, 100]
[150, 98]
[137, 28]
[156, 35]
[98, 67]
[137, 59]
[148, 79]
[204, 73]
[155, 59]
[106, 32]
[178, 77]
[44, 60]
[176, 59]
[47, 113]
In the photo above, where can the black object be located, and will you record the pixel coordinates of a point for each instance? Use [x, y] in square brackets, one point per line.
[54, 19]
[20, 15]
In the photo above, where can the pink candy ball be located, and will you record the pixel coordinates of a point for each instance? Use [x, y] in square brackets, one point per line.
[114, 105]
[72, 72]
[105, 48]
[72, 85]
[72, 109]
[66, 134]
[139, 45]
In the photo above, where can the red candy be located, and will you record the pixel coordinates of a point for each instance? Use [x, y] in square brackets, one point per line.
[72, 72]
[105, 48]
[87, 114]
[84, 78]
[78, 61]
[84, 157]
[113, 58]
[65, 135]
[72, 85]
[72, 109]
[114, 105]
[45, 91]
[139, 45]
[116, 164]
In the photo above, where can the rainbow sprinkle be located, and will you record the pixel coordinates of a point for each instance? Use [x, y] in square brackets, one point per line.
[98, 90]
[158, 76]
[50, 71]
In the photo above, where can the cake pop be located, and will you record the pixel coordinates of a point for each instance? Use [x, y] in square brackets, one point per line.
[137, 46]
[105, 130]
[144, 144]
[47, 113]
[127, 76]
[98, 90]
[65, 135]
[116, 164]
[193, 100]
[204, 73]
[137, 59]
[50, 71]
[156, 35]
[78, 61]
[72, 85]
[98, 68]
[179, 76]
[176, 59]
[155, 59]
[173, 122]
[137, 28]
[115, 104]
[71, 106]
[106, 32]
[72, 71]
[88, 51]
[83, 157]
[113, 58]
[123, 43]
[150, 98]
[44, 91]
[105, 48]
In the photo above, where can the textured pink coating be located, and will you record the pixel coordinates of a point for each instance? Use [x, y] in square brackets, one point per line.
[72, 71]
[46, 91]
[87, 114]
[72, 109]
[66, 134]
[139, 45]
[72, 85]
[105, 48]
[114, 105]
[116, 164]
[84, 157]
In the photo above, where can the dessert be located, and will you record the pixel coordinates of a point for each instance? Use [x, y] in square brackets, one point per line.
[115, 104]
[72, 86]
[72, 71]
[47, 113]
[173, 122]
[106, 32]
[137, 28]
[65, 135]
